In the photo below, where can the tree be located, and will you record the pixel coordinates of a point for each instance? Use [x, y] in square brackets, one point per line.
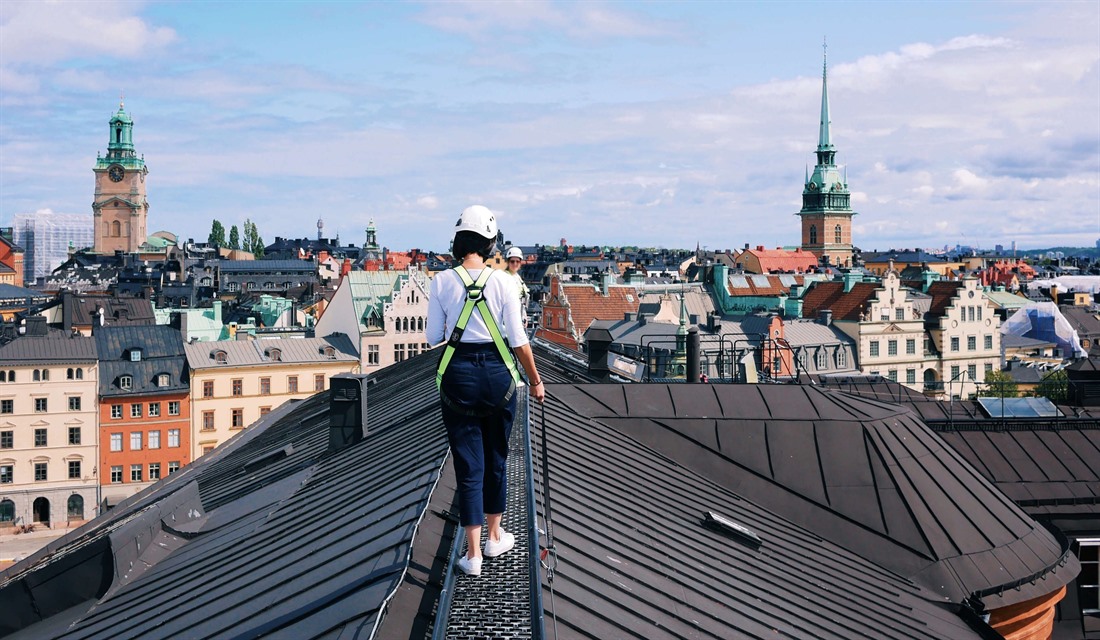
[1054, 386]
[999, 384]
[252, 240]
[217, 234]
[234, 238]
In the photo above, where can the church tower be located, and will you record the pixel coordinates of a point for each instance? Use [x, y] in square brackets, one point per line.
[826, 202]
[120, 207]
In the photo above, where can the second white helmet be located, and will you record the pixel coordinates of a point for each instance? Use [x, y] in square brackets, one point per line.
[479, 219]
[514, 252]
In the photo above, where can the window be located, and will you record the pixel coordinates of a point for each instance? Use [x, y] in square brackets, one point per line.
[74, 469]
[7, 510]
[173, 437]
[1088, 582]
[40, 405]
[116, 474]
[125, 382]
[174, 408]
[874, 348]
[837, 235]
[988, 367]
[238, 418]
[972, 372]
[275, 354]
[910, 376]
[79, 373]
[208, 388]
[74, 403]
[162, 380]
[135, 473]
[116, 442]
[7, 406]
[116, 411]
[822, 359]
[954, 372]
[910, 346]
[979, 313]
[372, 354]
[154, 471]
[11, 376]
[41, 471]
[135, 410]
[841, 359]
[220, 357]
[413, 347]
[238, 387]
[154, 409]
[135, 441]
[955, 343]
[207, 449]
[74, 435]
[292, 384]
[265, 386]
[813, 234]
[40, 437]
[398, 352]
[884, 314]
[892, 374]
[6, 474]
[69, 374]
[971, 343]
[329, 352]
[207, 420]
[892, 347]
[7, 439]
[154, 439]
[970, 313]
[173, 467]
[987, 342]
[899, 314]
[135, 355]
[319, 382]
[265, 410]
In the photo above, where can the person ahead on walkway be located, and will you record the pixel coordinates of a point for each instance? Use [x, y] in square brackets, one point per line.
[515, 261]
[477, 378]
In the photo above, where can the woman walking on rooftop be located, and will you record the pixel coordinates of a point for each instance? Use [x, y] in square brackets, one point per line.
[469, 307]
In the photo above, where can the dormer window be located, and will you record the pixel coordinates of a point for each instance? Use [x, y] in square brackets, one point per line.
[126, 382]
[135, 355]
[162, 380]
[329, 352]
[219, 356]
[275, 355]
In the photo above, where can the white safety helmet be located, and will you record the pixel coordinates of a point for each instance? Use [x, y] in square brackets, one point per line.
[479, 219]
[514, 252]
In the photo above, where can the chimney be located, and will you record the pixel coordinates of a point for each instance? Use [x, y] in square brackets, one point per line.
[67, 303]
[693, 355]
[347, 414]
[605, 281]
[825, 316]
[714, 322]
[850, 280]
[598, 342]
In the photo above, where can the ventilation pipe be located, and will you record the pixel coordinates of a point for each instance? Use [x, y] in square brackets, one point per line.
[693, 355]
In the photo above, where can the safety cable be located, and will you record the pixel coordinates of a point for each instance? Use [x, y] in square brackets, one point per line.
[549, 555]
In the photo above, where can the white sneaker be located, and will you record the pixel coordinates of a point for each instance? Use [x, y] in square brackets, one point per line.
[470, 566]
[500, 547]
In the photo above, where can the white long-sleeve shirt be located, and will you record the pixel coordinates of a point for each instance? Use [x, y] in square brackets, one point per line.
[448, 295]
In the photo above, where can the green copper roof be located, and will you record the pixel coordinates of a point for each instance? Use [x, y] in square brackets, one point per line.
[824, 142]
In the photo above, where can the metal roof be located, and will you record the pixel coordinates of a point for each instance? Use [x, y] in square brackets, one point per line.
[52, 349]
[161, 353]
[635, 560]
[864, 474]
[243, 353]
[250, 266]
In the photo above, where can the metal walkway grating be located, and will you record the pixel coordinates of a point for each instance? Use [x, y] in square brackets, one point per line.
[499, 603]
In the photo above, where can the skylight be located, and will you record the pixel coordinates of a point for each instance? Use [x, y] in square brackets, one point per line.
[737, 531]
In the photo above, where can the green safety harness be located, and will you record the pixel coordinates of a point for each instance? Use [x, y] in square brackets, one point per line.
[475, 299]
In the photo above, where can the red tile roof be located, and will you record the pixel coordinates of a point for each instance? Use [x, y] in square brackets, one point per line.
[942, 292]
[778, 260]
[830, 295]
[772, 287]
[586, 305]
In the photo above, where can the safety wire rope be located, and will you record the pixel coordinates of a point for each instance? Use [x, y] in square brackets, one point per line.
[549, 555]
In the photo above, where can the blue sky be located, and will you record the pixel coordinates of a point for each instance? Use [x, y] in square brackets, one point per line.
[655, 124]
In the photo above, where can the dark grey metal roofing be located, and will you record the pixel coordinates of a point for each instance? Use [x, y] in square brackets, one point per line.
[12, 292]
[52, 349]
[634, 560]
[867, 475]
[161, 352]
[270, 535]
[251, 266]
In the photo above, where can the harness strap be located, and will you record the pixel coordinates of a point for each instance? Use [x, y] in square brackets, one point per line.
[475, 298]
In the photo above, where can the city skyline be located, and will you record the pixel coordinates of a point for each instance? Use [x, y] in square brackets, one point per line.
[636, 124]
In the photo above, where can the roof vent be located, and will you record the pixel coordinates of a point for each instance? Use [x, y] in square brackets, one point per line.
[347, 422]
[738, 532]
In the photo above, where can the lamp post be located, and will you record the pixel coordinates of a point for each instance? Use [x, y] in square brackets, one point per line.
[951, 396]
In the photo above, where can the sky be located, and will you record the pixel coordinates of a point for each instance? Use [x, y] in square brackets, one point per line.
[657, 124]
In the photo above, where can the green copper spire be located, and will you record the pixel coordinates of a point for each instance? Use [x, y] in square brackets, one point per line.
[824, 142]
[120, 142]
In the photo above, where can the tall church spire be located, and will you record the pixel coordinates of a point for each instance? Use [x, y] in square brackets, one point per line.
[824, 141]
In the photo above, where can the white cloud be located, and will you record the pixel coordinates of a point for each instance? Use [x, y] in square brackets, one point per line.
[428, 202]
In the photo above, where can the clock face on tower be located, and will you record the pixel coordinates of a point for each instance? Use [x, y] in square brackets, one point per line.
[116, 173]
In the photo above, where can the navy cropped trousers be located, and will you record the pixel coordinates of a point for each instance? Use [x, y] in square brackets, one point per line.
[475, 382]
